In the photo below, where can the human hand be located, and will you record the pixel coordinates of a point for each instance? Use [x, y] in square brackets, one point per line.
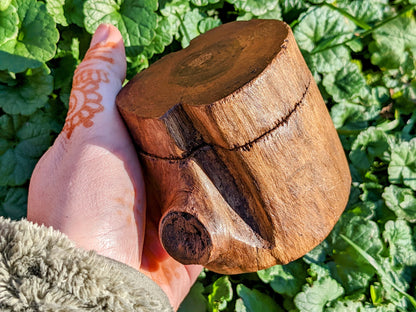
[89, 184]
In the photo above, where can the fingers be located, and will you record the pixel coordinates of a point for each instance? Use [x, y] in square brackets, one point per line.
[107, 46]
[89, 184]
[174, 278]
[96, 82]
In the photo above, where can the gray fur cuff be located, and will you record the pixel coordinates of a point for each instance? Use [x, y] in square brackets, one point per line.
[42, 270]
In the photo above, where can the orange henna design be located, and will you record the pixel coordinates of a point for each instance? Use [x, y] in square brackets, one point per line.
[85, 100]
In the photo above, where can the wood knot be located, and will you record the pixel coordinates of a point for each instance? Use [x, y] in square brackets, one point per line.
[185, 238]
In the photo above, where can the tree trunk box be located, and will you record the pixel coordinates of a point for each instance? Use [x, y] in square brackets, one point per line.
[238, 148]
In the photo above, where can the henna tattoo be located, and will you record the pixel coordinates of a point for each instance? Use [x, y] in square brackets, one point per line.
[85, 100]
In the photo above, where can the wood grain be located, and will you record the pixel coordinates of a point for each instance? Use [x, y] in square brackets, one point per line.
[239, 147]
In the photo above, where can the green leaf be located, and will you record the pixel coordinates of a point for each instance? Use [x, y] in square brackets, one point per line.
[401, 31]
[349, 115]
[245, 17]
[256, 7]
[275, 13]
[344, 84]
[63, 80]
[73, 42]
[376, 293]
[136, 20]
[397, 275]
[319, 29]
[390, 307]
[328, 60]
[16, 63]
[29, 93]
[204, 2]
[348, 266]
[56, 9]
[239, 306]
[385, 56]
[360, 230]
[370, 144]
[32, 138]
[406, 98]
[208, 24]
[222, 292]
[284, 279]
[356, 45]
[163, 37]
[346, 306]
[372, 191]
[136, 65]
[5, 4]
[408, 128]
[398, 235]
[402, 201]
[350, 270]
[9, 21]
[189, 26]
[37, 36]
[318, 254]
[13, 202]
[74, 12]
[367, 11]
[254, 300]
[291, 9]
[314, 298]
[7, 127]
[380, 270]
[174, 8]
[318, 271]
[174, 11]
[402, 168]
[290, 6]
[194, 301]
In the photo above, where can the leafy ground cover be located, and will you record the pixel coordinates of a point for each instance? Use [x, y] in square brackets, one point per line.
[362, 55]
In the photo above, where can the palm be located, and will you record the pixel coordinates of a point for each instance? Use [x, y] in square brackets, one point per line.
[174, 278]
[105, 225]
[89, 184]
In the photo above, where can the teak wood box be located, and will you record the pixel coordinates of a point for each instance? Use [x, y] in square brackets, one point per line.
[238, 149]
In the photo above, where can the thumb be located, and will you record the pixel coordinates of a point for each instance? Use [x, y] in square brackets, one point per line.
[96, 83]
[88, 184]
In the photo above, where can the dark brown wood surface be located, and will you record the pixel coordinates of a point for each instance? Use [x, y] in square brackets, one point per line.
[238, 148]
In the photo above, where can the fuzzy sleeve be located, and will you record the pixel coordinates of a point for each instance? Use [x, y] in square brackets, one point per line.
[42, 270]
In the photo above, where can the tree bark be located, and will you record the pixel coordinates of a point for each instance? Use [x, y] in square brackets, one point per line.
[239, 147]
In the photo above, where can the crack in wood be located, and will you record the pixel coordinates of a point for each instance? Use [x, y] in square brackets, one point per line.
[207, 158]
[245, 147]
[216, 170]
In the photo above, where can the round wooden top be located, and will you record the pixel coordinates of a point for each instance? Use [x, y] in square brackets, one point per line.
[215, 65]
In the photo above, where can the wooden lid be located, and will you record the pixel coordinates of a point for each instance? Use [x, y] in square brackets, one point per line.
[191, 86]
[208, 70]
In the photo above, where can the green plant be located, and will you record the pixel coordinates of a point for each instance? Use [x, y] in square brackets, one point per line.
[362, 55]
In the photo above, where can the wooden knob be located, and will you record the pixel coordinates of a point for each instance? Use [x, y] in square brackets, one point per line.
[239, 148]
